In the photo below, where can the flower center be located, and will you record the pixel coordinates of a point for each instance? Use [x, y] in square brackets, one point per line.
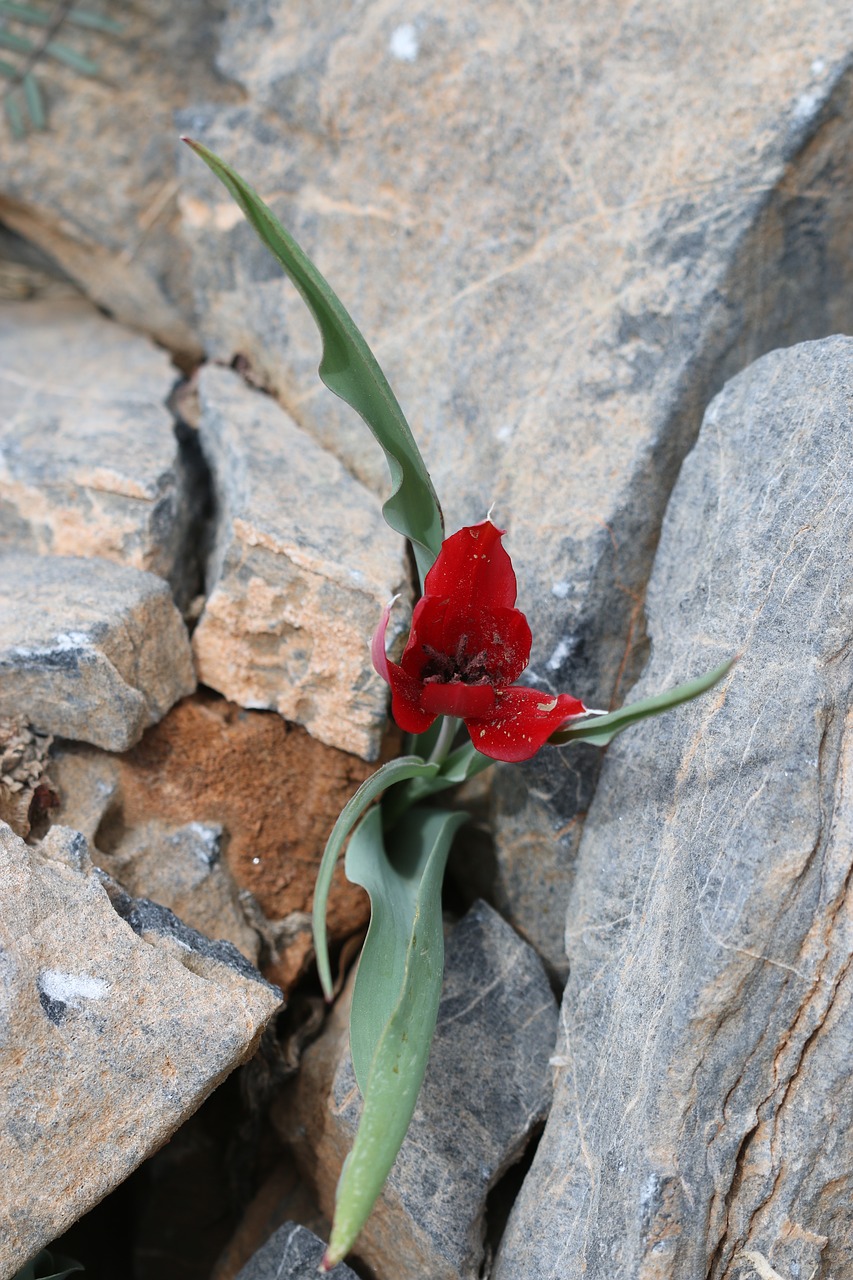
[460, 667]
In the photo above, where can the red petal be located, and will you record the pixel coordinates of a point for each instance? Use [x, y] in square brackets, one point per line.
[457, 699]
[406, 708]
[473, 571]
[377, 645]
[522, 722]
[502, 636]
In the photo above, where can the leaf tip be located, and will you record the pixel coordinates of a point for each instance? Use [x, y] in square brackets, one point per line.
[327, 1262]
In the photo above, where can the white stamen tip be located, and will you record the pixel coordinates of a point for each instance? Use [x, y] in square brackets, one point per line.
[490, 510]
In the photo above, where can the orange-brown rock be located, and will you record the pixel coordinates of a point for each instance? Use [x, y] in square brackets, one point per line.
[273, 789]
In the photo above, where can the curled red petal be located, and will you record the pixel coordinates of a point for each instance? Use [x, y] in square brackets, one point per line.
[377, 644]
[522, 722]
[406, 706]
[473, 569]
[457, 699]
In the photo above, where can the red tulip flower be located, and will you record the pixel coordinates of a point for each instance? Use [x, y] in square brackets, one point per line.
[467, 645]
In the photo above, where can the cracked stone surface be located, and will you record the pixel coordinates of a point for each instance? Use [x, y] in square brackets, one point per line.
[301, 567]
[292, 1253]
[88, 649]
[703, 1113]
[193, 816]
[487, 1086]
[557, 262]
[116, 1022]
[89, 460]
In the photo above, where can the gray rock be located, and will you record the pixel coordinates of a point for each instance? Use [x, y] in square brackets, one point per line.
[115, 1024]
[97, 190]
[292, 1253]
[562, 229]
[301, 567]
[88, 649]
[89, 460]
[487, 1086]
[703, 1116]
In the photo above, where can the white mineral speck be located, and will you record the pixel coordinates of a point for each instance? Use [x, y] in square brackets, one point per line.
[71, 988]
[403, 44]
[559, 655]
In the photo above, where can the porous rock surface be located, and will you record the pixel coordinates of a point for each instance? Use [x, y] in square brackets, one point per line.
[703, 1114]
[561, 229]
[487, 1085]
[89, 649]
[222, 815]
[116, 1021]
[89, 461]
[301, 567]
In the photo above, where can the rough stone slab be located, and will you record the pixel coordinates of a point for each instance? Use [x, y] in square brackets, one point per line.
[293, 1253]
[703, 1115]
[89, 461]
[113, 1029]
[301, 567]
[561, 228]
[88, 649]
[488, 1084]
[109, 217]
[272, 790]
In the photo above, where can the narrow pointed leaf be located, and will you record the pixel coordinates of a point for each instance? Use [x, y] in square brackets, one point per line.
[14, 117]
[23, 13]
[351, 371]
[603, 729]
[35, 103]
[71, 58]
[395, 1003]
[398, 770]
[20, 44]
[9, 70]
[94, 21]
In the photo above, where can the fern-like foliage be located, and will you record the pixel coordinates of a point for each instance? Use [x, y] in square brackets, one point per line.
[28, 39]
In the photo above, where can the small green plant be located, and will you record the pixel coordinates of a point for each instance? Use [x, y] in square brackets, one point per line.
[467, 647]
[28, 38]
[48, 1266]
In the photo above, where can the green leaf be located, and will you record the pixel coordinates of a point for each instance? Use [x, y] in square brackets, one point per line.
[398, 770]
[71, 58]
[463, 763]
[18, 43]
[9, 70]
[94, 21]
[603, 729]
[35, 103]
[48, 1266]
[396, 997]
[14, 117]
[351, 371]
[23, 13]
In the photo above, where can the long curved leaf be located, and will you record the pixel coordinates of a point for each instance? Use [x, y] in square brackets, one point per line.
[399, 770]
[351, 371]
[395, 1002]
[603, 729]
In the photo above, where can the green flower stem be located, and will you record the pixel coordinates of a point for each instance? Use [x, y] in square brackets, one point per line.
[444, 741]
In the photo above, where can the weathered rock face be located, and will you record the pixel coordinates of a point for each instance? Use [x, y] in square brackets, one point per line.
[88, 649]
[89, 461]
[301, 567]
[472, 1121]
[116, 1021]
[97, 190]
[561, 232]
[291, 1254]
[703, 1113]
[270, 789]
